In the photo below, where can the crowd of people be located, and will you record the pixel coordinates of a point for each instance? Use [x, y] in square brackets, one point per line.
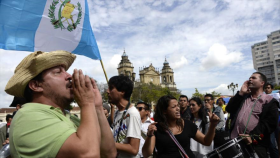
[176, 128]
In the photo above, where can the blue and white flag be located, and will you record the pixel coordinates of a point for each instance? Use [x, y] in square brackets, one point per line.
[47, 25]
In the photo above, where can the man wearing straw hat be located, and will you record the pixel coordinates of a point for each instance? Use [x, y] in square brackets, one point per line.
[253, 115]
[42, 127]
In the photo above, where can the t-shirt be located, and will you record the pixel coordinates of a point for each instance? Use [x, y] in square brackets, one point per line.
[198, 149]
[144, 129]
[39, 130]
[166, 147]
[131, 127]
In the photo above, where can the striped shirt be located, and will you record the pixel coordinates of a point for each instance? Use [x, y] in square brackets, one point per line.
[245, 112]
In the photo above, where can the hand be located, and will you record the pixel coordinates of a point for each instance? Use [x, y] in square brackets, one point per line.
[214, 119]
[245, 88]
[98, 97]
[84, 92]
[246, 138]
[151, 129]
[207, 105]
[6, 141]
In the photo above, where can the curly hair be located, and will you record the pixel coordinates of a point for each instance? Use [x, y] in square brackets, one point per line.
[201, 113]
[160, 118]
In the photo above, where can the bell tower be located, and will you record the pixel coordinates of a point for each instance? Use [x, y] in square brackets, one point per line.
[167, 76]
[125, 67]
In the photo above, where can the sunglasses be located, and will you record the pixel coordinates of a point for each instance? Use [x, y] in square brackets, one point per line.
[140, 108]
[207, 100]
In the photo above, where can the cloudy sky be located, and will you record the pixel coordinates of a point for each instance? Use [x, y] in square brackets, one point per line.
[207, 42]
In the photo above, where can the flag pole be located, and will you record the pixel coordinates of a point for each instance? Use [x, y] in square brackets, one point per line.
[104, 71]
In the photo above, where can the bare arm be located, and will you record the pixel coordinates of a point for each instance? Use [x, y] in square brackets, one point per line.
[112, 112]
[132, 147]
[107, 146]
[150, 142]
[86, 141]
[208, 138]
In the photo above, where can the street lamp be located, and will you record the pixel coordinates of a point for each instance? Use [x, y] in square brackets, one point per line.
[232, 87]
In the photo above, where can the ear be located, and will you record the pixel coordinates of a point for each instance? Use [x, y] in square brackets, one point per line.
[122, 93]
[35, 86]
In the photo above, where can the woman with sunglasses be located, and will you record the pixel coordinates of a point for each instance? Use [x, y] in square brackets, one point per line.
[201, 120]
[169, 125]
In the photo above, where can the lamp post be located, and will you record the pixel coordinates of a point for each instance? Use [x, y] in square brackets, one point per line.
[232, 87]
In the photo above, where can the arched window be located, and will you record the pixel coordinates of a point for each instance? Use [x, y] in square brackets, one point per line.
[164, 79]
[170, 78]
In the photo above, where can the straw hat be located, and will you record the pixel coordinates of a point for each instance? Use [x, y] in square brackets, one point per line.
[34, 64]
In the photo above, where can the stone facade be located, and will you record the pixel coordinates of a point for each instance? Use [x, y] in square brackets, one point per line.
[125, 67]
[150, 74]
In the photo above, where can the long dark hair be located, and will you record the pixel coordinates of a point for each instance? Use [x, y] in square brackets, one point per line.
[201, 113]
[160, 118]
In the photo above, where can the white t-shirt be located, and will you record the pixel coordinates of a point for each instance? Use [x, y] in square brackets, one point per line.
[144, 129]
[198, 149]
[131, 127]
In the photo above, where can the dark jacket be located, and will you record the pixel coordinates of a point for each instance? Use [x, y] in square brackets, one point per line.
[267, 119]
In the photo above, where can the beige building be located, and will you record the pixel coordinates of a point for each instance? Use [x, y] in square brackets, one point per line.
[266, 57]
[149, 74]
[163, 77]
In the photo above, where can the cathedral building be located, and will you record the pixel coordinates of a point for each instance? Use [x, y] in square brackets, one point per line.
[163, 77]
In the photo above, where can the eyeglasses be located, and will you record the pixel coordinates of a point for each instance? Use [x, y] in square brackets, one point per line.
[183, 100]
[207, 100]
[140, 108]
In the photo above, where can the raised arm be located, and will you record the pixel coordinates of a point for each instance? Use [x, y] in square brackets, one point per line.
[208, 138]
[107, 148]
[235, 101]
[86, 141]
[150, 141]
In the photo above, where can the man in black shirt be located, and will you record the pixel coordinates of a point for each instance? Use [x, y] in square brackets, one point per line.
[184, 107]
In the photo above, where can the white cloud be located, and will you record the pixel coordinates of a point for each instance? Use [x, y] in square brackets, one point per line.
[219, 56]
[222, 88]
[177, 62]
[183, 31]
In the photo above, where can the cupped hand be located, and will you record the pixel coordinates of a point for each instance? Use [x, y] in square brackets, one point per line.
[98, 97]
[84, 93]
[245, 88]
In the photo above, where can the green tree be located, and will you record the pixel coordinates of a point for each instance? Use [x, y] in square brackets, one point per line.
[150, 93]
[276, 87]
[201, 95]
[198, 94]
[216, 94]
